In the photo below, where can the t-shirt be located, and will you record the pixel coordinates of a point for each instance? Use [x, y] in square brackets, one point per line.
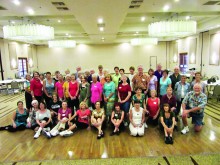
[36, 87]
[64, 113]
[27, 85]
[59, 87]
[40, 116]
[152, 106]
[123, 90]
[162, 114]
[109, 88]
[65, 86]
[73, 87]
[164, 85]
[55, 106]
[83, 116]
[152, 83]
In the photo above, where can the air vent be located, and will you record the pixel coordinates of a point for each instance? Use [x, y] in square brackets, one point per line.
[62, 8]
[2, 8]
[135, 4]
[58, 3]
[212, 3]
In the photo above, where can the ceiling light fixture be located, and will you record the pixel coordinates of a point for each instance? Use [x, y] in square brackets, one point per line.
[28, 32]
[172, 28]
[187, 17]
[143, 41]
[143, 19]
[100, 21]
[59, 21]
[16, 2]
[62, 43]
[166, 8]
[30, 11]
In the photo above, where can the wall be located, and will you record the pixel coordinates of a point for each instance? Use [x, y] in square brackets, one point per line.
[90, 56]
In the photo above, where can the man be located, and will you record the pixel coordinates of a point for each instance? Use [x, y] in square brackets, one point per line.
[78, 69]
[199, 81]
[116, 76]
[193, 106]
[101, 73]
[141, 80]
[158, 73]
[89, 79]
[175, 77]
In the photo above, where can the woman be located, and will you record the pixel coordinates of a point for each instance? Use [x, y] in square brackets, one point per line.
[153, 81]
[42, 77]
[64, 114]
[180, 90]
[136, 116]
[167, 118]
[84, 90]
[97, 119]
[49, 88]
[73, 90]
[124, 94]
[83, 120]
[54, 106]
[65, 89]
[59, 87]
[28, 97]
[19, 119]
[109, 95]
[170, 99]
[165, 82]
[117, 120]
[36, 87]
[32, 123]
[153, 107]
[43, 118]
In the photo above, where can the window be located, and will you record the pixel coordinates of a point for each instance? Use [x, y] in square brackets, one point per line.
[22, 67]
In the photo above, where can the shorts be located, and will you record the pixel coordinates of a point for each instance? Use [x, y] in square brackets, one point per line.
[197, 118]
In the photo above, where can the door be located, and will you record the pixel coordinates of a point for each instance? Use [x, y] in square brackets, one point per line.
[184, 61]
[22, 67]
[153, 62]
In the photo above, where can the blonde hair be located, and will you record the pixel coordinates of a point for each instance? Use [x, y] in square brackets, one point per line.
[82, 103]
[153, 90]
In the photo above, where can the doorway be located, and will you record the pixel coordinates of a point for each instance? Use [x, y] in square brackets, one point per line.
[184, 61]
[22, 67]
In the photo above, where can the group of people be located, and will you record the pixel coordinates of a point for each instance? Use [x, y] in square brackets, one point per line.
[63, 104]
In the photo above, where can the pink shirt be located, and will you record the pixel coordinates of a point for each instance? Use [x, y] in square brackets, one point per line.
[64, 113]
[96, 91]
[152, 106]
[73, 87]
[83, 116]
[59, 87]
[36, 87]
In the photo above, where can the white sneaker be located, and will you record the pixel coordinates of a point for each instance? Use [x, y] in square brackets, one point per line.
[68, 133]
[54, 133]
[47, 134]
[37, 134]
[46, 129]
[185, 130]
[145, 125]
[63, 132]
[125, 124]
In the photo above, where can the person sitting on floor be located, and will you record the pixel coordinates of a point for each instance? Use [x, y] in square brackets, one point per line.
[43, 118]
[97, 119]
[64, 114]
[117, 118]
[32, 123]
[167, 119]
[137, 118]
[19, 119]
[82, 122]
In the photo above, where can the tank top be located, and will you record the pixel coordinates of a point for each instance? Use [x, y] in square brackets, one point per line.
[50, 87]
[137, 116]
[21, 119]
[152, 106]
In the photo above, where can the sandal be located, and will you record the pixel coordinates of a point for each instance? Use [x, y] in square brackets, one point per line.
[99, 136]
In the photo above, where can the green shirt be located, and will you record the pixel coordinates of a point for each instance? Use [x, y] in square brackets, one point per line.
[115, 79]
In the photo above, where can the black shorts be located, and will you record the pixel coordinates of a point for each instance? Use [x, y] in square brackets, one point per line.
[81, 125]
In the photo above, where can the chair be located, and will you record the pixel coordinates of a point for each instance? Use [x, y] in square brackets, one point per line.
[14, 87]
[3, 89]
[215, 93]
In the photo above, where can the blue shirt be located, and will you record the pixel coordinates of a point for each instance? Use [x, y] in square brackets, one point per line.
[164, 85]
[181, 90]
[108, 89]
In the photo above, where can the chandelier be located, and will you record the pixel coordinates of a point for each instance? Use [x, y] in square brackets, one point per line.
[62, 43]
[144, 41]
[28, 32]
[172, 28]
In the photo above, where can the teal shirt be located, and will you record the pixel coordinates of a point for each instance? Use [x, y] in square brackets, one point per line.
[164, 85]
[21, 119]
[108, 89]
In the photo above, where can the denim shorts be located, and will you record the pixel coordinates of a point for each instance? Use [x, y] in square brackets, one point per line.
[197, 118]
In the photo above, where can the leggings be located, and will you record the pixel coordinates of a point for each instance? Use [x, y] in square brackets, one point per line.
[10, 128]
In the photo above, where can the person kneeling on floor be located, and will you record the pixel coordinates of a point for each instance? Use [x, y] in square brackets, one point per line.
[82, 122]
[167, 119]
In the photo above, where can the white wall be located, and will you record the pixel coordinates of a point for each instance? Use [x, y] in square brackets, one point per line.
[90, 56]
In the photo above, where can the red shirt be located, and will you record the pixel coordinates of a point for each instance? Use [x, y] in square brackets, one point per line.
[36, 87]
[123, 90]
[83, 116]
[73, 87]
[152, 106]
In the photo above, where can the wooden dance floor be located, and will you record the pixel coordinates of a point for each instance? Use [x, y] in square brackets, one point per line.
[21, 146]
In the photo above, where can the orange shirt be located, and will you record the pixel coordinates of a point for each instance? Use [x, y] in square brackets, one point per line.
[141, 81]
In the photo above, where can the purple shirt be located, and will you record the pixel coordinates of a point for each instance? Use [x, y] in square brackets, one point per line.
[152, 83]
[64, 113]
[96, 91]
[171, 101]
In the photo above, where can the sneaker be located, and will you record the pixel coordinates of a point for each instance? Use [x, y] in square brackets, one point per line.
[185, 130]
[145, 125]
[125, 124]
[37, 134]
[63, 132]
[170, 140]
[54, 133]
[167, 140]
[68, 133]
[47, 134]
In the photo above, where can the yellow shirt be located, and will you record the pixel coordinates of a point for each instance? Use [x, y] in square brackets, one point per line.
[65, 87]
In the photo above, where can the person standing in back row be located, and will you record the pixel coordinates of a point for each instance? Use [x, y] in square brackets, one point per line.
[175, 77]
[158, 73]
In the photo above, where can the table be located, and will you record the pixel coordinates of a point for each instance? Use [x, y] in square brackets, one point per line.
[211, 86]
[8, 82]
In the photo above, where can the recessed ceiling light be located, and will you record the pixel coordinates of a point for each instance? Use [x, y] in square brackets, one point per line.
[59, 21]
[100, 20]
[30, 11]
[67, 34]
[101, 29]
[187, 17]
[13, 22]
[16, 2]
[137, 32]
[166, 8]
[176, 0]
[143, 19]
[103, 38]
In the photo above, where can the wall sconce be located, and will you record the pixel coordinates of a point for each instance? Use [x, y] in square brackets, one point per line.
[30, 62]
[192, 58]
[13, 63]
[175, 58]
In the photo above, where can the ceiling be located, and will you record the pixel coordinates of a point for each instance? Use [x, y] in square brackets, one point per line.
[122, 18]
